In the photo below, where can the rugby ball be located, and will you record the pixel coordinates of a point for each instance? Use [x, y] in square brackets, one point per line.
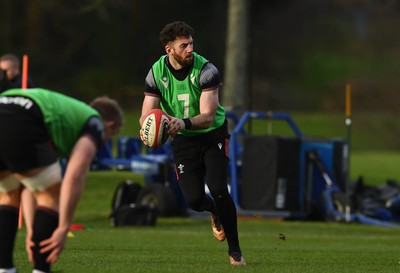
[154, 128]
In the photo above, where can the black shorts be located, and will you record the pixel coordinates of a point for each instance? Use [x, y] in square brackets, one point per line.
[194, 155]
[214, 136]
[24, 141]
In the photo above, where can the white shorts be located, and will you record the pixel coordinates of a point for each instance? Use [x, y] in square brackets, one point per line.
[49, 176]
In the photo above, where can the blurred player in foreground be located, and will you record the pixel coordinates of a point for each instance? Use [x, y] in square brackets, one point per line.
[185, 85]
[10, 78]
[38, 127]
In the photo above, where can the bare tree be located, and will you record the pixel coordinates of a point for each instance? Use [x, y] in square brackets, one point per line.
[235, 97]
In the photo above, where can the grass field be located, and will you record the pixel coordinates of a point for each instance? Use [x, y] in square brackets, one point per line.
[187, 244]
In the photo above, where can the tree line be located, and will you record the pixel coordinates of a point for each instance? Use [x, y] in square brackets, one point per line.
[300, 54]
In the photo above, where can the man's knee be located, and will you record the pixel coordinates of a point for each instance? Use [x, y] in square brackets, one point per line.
[220, 194]
[196, 204]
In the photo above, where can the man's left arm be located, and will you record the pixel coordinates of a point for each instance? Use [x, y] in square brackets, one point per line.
[208, 107]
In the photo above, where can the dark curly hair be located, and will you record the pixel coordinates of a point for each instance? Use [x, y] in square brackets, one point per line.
[173, 30]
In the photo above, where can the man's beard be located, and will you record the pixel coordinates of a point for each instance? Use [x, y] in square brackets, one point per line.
[184, 62]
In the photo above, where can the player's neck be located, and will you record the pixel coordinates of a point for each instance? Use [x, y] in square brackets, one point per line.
[174, 63]
[179, 74]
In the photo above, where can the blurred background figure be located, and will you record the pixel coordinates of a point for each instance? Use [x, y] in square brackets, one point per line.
[10, 73]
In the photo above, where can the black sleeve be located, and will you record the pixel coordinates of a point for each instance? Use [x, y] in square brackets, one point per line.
[151, 86]
[210, 77]
[95, 128]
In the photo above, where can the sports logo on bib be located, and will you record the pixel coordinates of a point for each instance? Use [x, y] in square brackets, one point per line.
[192, 78]
[164, 81]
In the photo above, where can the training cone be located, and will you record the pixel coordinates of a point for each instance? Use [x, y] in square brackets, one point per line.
[76, 227]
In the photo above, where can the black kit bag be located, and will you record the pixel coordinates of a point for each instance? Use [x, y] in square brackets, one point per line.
[134, 215]
[125, 211]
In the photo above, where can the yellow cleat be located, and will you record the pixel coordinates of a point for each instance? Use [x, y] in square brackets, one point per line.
[217, 228]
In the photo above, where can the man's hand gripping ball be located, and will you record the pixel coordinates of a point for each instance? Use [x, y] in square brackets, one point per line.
[154, 128]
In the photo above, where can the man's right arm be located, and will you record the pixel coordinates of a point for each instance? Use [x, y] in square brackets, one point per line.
[152, 96]
[149, 103]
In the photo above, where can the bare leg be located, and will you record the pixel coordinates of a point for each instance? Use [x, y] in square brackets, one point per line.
[28, 203]
[45, 219]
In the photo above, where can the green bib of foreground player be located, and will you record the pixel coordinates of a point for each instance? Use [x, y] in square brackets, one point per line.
[181, 99]
[63, 116]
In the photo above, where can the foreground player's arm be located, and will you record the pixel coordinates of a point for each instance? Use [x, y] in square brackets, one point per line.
[28, 203]
[71, 191]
